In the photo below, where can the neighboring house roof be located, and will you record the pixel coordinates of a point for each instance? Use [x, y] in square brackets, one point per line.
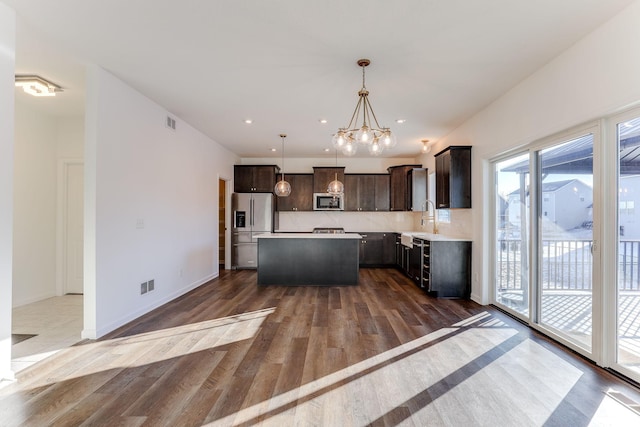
[550, 187]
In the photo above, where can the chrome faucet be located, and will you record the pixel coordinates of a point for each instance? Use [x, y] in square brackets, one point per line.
[433, 217]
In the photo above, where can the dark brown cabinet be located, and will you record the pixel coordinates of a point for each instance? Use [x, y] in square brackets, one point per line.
[408, 187]
[447, 268]
[377, 249]
[322, 176]
[366, 192]
[389, 249]
[453, 177]
[382, 198]
[301, 197]
[254, 178]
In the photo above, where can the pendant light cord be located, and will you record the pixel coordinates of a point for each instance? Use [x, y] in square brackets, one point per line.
[283, 136]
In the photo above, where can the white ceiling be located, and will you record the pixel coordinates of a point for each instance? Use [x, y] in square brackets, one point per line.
[288, 63]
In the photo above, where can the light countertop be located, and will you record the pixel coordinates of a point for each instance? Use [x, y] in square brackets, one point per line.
[308, 236]
[433, 237]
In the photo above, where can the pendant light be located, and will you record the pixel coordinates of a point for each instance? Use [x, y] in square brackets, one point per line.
[282, 188]
[336, 188]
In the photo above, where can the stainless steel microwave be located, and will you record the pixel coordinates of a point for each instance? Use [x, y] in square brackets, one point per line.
[328, 202]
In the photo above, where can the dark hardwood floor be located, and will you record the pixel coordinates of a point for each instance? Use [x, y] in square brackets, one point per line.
[381, 353]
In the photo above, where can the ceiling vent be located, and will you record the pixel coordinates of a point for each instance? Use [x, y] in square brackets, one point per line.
[170, 123]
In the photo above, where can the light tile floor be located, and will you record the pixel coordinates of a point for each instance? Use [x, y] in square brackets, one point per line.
[57, 322]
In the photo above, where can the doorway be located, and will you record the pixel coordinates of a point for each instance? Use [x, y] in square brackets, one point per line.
[222, 223]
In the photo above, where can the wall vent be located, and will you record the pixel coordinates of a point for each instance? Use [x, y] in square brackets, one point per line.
[170, 123]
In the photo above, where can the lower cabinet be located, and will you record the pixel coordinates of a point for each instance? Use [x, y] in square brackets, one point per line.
[403, 254]
[442, 268]
[377, 249]
[446, 268]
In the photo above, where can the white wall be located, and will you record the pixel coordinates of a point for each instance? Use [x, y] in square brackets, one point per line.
[70, 137]
[7, 71]
[595, 77]
[151, 204]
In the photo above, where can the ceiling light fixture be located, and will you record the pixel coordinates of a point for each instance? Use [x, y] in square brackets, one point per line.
[282, 188]
[375, 138]
[248, 121]
[426, 147]
[37, 86]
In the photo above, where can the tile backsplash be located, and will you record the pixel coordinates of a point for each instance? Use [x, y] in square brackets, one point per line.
[350, 221]
[305, 222]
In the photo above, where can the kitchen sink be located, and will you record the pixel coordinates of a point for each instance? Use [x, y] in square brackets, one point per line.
[406, 240]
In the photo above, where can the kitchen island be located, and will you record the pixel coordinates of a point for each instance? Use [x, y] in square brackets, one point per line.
[295, 259]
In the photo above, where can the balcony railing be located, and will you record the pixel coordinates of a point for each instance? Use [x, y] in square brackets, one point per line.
[565, 265]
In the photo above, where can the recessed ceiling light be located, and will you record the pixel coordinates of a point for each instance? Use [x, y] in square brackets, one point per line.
[272, 149]
[326, 150]
[248, 121]
[323, 121]
[400, 121]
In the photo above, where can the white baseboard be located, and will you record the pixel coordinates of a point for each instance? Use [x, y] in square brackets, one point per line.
[33, 299]
[146, 309]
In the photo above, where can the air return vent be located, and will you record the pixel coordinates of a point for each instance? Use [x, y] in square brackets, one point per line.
[170, 123]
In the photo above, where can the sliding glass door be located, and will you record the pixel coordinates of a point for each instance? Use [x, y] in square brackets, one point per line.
[564, 194]
[628, 247]
[552, 216]
[543, 260]
[512, 234]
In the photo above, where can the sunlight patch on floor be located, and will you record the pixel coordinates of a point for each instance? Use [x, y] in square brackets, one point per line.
[149, 348]
[406, 371]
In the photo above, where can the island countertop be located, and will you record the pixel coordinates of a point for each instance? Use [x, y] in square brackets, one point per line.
[309, 236]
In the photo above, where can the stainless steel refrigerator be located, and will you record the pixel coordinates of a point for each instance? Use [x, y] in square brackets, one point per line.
[252, 215]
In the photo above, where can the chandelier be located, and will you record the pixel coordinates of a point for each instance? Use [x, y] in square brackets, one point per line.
[282, 188]
[375, 138]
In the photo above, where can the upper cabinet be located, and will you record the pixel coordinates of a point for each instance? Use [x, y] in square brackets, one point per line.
[254, 178]
[301, 197]
[453, 177]
[366, 192]
[322, 176]
[408, 187]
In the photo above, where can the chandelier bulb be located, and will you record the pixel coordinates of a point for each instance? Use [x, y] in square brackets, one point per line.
[349, 149]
